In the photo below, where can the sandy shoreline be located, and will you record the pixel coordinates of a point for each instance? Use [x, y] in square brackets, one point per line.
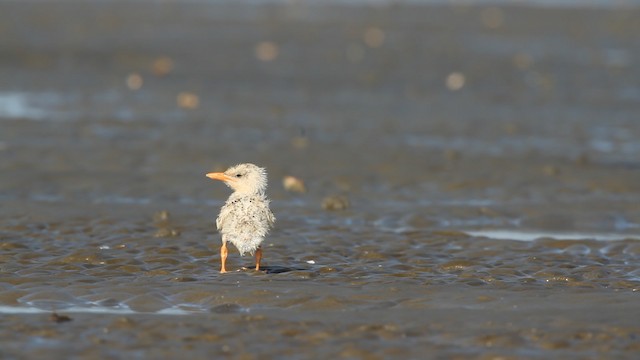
[434, 121]
[474, 324]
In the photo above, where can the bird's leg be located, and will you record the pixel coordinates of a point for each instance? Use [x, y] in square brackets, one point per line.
[258, 257]
[223, 257]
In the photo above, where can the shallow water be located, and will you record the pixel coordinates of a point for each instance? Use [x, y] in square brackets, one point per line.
[493, 216]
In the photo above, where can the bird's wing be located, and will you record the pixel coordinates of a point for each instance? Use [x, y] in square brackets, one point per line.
[224, 213]
[270, 217]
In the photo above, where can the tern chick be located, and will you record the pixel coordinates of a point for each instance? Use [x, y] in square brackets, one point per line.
[245, 219]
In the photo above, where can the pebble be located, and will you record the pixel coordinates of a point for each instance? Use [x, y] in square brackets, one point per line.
[293, 184]
[335, 203]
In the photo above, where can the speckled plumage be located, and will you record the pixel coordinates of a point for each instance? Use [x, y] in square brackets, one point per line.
[245, 219]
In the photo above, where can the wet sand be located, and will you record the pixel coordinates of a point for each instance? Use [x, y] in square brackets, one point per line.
[439, 124]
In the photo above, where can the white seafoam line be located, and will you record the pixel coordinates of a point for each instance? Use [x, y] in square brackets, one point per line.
[531, 235]
[88, 310]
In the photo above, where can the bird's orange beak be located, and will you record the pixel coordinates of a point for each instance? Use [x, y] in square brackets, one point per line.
[219, 176]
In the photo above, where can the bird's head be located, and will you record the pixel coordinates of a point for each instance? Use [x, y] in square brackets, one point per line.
[243, 178]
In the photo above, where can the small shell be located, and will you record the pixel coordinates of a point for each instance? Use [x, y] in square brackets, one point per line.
[134, 81]
[161, 216]
[166, 232]
[292, 183]
[300, 142]
[162, 66]
[188, 100]
[335, 202]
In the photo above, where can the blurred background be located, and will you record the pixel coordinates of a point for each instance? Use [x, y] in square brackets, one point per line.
[391, 103]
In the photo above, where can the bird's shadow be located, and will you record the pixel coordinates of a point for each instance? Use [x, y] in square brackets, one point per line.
[276, 269]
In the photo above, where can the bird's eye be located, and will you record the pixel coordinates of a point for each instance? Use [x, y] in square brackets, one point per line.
[238, 175]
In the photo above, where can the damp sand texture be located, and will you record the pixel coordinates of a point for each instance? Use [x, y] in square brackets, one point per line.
[466, 180]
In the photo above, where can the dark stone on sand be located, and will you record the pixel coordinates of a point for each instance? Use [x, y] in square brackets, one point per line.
[57, 318]
[165, 232]
[227, 309]
[276, 269]
[109, 302]
[161, 216]
[335, 202]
